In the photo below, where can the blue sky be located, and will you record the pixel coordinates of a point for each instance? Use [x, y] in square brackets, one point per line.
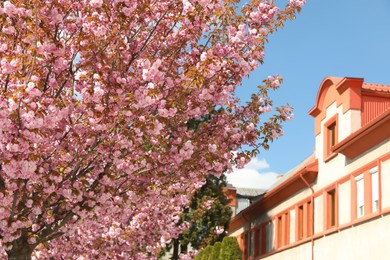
[328, 38]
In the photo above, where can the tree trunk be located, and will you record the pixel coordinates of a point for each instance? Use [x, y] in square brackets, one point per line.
[175, 254]
[21, 250]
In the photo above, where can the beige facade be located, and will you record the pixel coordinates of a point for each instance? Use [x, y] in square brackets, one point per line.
[336, 203]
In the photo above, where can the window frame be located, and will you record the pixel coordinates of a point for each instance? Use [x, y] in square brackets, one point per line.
[269, 236]
[331, 208]
[263, 239]
[304, 220]
[331, 129]
[375, 190]
[257, 241]
[360, 191]
[282, 233]
[366, 176]
[245, 244]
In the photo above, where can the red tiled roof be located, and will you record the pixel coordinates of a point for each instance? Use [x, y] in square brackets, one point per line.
[376, 87]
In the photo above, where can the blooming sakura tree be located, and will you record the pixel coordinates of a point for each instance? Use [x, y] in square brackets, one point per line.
[113, 112]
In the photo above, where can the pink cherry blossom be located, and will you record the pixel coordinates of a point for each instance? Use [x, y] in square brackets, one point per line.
[113, 112]
[298, 2]
[96, 3]
[9, 8]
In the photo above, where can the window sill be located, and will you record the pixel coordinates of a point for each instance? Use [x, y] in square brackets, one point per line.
[330, 230]
[362, 219]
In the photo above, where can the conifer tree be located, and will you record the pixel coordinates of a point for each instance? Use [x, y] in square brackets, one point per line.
[208, 216]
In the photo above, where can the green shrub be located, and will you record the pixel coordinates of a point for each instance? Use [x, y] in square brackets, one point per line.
[216, 251]
[199, 255]
[230, 249]
[207, 253]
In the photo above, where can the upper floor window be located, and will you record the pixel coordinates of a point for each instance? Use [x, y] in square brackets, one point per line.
[246, 244]
[251, 243]
[269, 230]
[330, 137]
[283, 230]
[257, 242]
[366, 193]
[332, 134]
[360, 195]
[375, 189]
[263, 239]
[331, 208]
[304, 222]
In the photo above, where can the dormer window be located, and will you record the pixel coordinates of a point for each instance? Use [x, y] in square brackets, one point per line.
[330, 137]
[332, 134]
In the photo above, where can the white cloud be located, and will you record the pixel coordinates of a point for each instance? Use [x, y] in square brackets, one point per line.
[252, 175]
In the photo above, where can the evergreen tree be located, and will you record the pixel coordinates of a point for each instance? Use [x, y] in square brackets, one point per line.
[208, 214]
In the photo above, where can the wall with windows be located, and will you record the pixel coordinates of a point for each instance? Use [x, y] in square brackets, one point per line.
[344, 212]
[341, 212]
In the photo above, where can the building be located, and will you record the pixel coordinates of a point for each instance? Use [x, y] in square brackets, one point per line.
[241, 198]
[336, 203]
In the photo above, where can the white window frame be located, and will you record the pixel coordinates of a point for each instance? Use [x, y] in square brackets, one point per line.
[360, 195]
[375, 188]
[269, 245]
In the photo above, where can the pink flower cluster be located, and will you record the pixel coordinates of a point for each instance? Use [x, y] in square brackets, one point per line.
[264, 13]
[219, 230]
[112, 112]
[297, 2]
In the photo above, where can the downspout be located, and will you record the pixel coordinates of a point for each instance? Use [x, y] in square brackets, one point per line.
[312, 203]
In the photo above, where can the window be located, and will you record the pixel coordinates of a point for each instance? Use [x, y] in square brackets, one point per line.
[330, 137]
[304, 221]
[331, 209]
[360, 195]
[332, 134]
[269, 244]
[366, 193]
[257, 243]
[245, 245]
[252, 243]
[283, 230]
[301, 222]
[263, 239]
[375, 189]
[280, 231]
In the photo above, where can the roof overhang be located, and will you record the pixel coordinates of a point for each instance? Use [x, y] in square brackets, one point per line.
[290, 186]
[366, 137]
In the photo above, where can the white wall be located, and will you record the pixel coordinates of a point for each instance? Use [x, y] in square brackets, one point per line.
[302, 252]
[361, 242]
[319, 214]
[344, 203]
[385, 175]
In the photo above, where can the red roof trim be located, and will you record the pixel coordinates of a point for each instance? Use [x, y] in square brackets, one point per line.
[325, 84]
